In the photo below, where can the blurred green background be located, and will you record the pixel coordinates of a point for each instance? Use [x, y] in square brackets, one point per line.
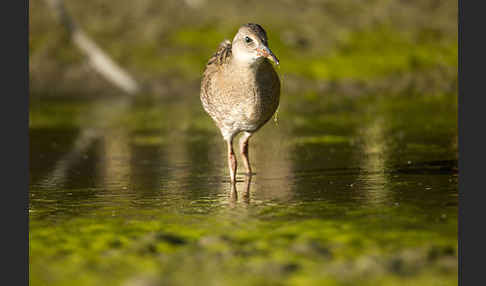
[357, 46]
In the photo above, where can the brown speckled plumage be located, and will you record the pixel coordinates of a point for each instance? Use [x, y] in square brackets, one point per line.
[241, 92]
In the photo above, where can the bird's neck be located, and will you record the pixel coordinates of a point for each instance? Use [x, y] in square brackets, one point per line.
[246, 65]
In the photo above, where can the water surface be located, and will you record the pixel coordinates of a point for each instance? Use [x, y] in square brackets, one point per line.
[347, 191]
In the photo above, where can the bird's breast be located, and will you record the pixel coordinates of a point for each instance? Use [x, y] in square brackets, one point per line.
[243, 98]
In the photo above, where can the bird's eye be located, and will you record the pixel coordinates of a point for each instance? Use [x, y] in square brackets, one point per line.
[248, 39]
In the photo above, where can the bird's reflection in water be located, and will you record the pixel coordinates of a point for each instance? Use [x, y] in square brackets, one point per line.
[245, 195]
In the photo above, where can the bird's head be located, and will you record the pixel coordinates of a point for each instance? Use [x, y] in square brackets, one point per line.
[250, 44]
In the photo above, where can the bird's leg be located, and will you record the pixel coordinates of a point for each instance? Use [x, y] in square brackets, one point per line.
[233, 195]
[231, 160]
[244, 144]
[246, 194]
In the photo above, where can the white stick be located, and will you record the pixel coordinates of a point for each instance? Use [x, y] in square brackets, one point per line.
[98, 59]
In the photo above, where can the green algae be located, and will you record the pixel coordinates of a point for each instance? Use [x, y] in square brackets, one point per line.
[293, 250]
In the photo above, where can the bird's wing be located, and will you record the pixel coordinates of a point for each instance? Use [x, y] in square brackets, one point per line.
[222, 54]
[217, 60]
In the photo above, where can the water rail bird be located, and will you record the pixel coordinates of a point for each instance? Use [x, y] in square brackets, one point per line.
[240, 89]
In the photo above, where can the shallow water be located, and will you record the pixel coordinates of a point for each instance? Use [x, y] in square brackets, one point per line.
[346, 189]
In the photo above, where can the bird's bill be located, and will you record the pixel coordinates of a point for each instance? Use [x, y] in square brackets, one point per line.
[267, 53]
